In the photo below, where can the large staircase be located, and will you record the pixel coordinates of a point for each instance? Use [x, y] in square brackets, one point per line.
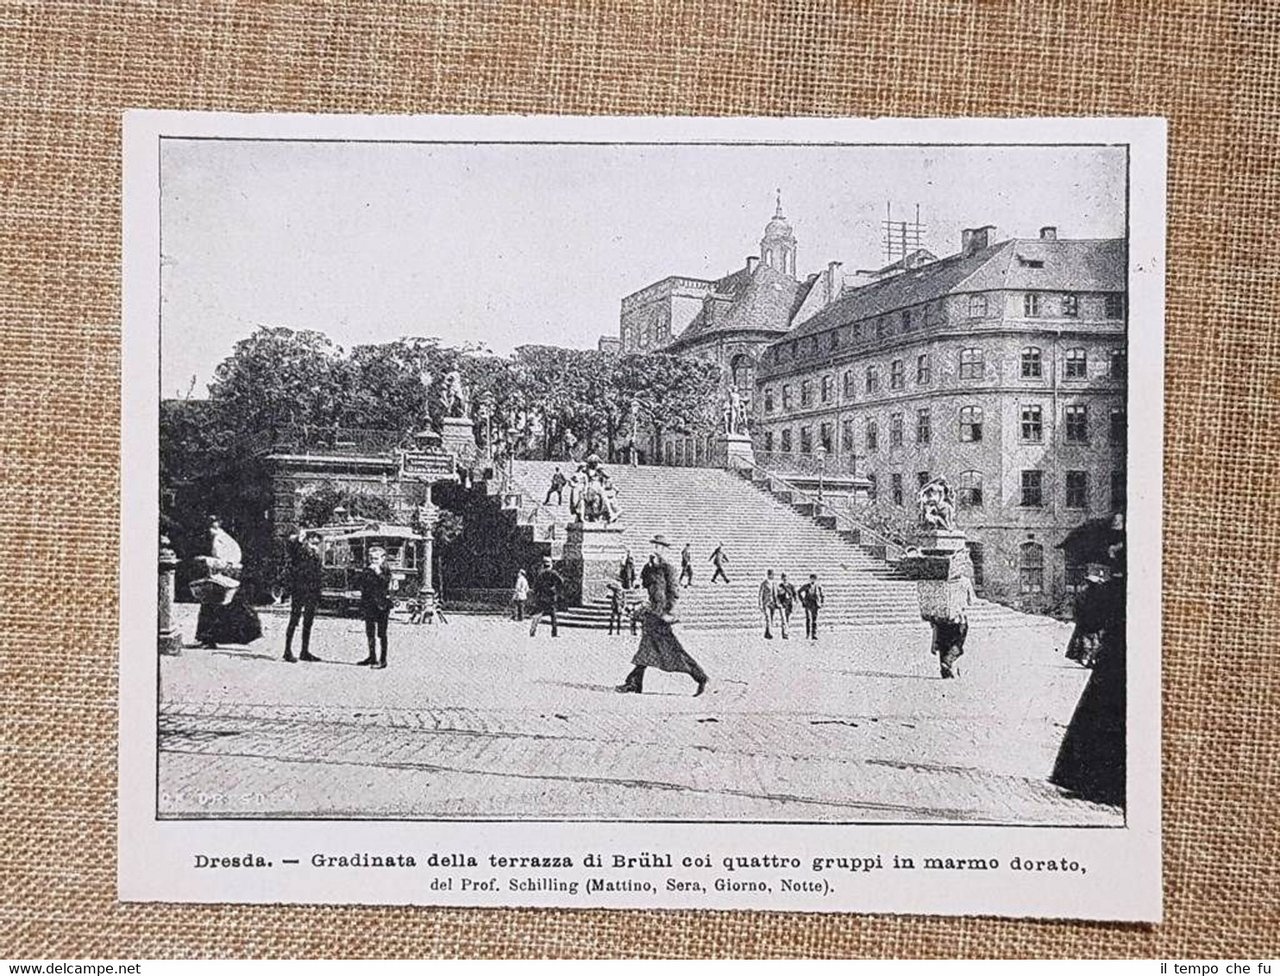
[758, 529]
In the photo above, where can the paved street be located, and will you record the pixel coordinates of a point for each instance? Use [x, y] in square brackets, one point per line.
[475, 719]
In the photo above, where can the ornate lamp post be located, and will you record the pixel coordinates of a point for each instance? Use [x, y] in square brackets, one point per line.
[486, 413]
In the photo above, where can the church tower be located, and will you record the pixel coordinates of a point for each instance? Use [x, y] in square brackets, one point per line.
[778, 246]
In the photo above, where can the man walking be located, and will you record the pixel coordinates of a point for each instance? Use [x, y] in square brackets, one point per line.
[786, 602]
[659, 646]
[557, 488]
[546, 591]
[811, 598]
[769, 605]
[374, 582]
[304, 591]
[719, 559]
[686, 566]
[949, 634]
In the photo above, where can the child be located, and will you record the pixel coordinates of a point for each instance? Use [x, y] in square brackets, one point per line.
[375, 604]
[615, 608]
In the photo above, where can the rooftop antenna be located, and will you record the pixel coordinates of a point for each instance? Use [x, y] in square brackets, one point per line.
[901, 237]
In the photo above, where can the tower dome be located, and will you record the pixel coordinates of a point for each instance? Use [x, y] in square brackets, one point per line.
[778, 246]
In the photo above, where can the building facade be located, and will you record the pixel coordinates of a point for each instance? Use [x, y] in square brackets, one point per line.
[1001, 367]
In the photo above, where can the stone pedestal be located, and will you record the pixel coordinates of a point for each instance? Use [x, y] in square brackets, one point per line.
[458, 437]
[734, 451]
[169, 641]
[593, 552]
[937, 564]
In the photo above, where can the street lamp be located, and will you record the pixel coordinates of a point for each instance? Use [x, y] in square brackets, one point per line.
[822, 472]
[486, 411]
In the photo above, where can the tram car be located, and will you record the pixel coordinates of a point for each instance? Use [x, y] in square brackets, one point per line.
[344, 552]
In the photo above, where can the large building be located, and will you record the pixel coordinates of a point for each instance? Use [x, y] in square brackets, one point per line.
[729, 321]
[1001, 367]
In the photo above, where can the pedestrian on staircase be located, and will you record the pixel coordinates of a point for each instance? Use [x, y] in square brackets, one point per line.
[546, 590]
[557, 488]
[615, 609]
[719, 559]
[659, 646]
[769, 605]
[627, 572]
[686, 566]
[811, 598]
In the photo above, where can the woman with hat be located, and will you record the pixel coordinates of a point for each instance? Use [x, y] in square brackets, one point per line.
[659, 646]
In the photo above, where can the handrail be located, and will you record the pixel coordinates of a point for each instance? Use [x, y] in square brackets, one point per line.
[892, 548]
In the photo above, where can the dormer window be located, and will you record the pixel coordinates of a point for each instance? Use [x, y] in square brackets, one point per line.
[1030, 262]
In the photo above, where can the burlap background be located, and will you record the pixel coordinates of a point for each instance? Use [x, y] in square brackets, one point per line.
[68, 69]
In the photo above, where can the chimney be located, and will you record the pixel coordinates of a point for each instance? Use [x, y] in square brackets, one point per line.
[834, 281]
[752, 261]
[974, 239]
[1048, 233]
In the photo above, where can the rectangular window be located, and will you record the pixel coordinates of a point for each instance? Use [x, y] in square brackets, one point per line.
[833, 340]
[895, 430]
[811, 346]
[768, 441]
[977, 306]
[849, 384]
[1032, 423]
[826, 388]
[970, 489]
[971, 364]
[1078, 424]
[1032, 364]
[1077, 364]
[1071, 306]
[806, 440]
[1113, 305]
[873, 379]
[970, 424]
[1119, 364]
[872, 489]
[896, 483]
[1032, 489]
[907, 321]
[806, 392]
[882, 328]
[897, 375]
[1119, 426]
[1119, 494]
[924, 370]
[873, 435]
[824, 437]
[1031, 305]
[1077, 489]
[924, 426]
[1031, 569]
[786, 397]
[786, 440]
[922, 478]
[979, 569]
[846, 436]
[768, 400]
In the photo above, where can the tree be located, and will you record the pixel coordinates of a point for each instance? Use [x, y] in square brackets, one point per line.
[674, 393]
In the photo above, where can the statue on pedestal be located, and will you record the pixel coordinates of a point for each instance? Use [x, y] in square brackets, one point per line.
[455, 397]
[735, 413]
[936, 503]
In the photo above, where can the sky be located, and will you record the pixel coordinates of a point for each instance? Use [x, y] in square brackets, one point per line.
[511, 244]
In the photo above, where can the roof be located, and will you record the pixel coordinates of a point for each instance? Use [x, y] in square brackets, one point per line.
[766, 299]
[1075, 265]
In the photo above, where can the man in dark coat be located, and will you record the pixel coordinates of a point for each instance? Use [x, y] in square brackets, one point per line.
[557, 488]
[375, 604]
[546, 593]
[659, 646]
[686, 566]
[811, 598]
[304, 591]
[720, 560]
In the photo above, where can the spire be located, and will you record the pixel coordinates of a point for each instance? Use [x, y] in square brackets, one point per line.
[778, 211]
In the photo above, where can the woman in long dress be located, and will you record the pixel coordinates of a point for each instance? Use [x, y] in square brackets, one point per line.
[226, 623]
[659, 646]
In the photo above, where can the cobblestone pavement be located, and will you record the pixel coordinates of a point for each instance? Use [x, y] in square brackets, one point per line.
[475, 719]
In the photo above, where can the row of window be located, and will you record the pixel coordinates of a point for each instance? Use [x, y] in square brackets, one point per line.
[971, 367]
[1034, 305]
[969, 429]
[1032, 495]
